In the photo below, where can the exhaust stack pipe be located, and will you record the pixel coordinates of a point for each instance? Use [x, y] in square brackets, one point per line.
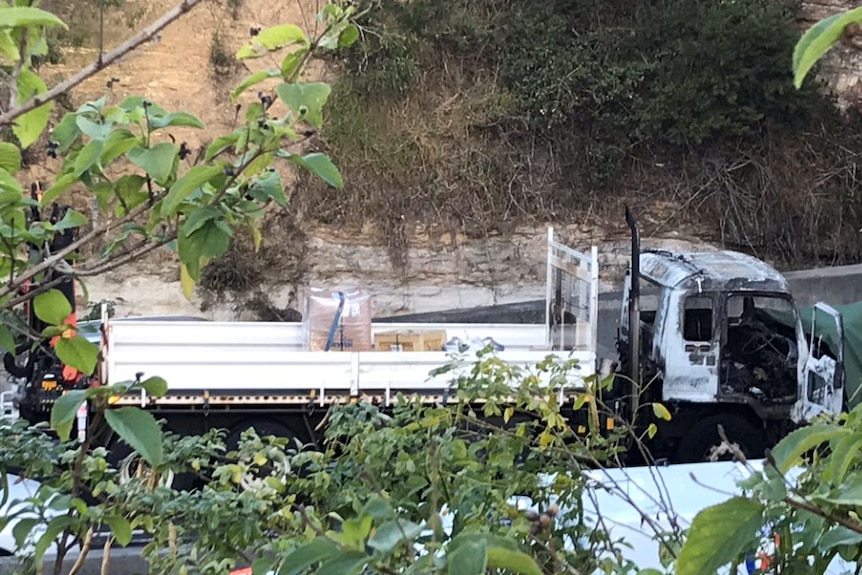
[634, 300]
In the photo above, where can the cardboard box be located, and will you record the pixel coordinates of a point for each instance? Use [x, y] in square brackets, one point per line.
[406, 340]
[349, 310]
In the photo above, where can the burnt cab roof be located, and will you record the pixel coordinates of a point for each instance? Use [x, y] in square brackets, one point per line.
[712, 271]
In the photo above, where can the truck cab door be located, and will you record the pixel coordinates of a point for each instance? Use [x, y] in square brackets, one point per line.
[822, 384]
[691, 348]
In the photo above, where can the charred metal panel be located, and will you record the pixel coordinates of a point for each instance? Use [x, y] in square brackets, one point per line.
[711, 271]
[690, 368]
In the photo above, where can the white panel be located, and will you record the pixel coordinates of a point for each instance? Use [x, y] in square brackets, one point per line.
[232, 356]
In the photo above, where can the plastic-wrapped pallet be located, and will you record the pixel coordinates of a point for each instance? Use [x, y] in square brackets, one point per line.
[338, 320]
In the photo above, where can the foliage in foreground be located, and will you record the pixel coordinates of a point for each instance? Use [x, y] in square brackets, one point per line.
[423, 489]
[153, 191]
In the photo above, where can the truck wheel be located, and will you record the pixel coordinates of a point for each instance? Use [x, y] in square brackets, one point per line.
[704, 444]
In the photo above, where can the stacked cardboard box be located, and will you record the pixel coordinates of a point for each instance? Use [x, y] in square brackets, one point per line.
[406, 340]
[345, 315]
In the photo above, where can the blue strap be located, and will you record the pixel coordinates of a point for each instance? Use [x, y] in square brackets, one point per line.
[335, 321]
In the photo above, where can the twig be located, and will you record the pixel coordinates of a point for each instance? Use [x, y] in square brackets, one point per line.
[16, 72]
[106, 556]
[101, 63]
[51, 261]
[85, 550]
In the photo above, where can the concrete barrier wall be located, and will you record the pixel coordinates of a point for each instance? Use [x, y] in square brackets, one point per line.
[835, 285]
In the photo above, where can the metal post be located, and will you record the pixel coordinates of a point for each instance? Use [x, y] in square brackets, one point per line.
[548, 276]
[634, 300]
[594, 301]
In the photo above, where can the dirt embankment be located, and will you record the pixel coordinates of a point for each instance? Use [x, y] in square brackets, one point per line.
[191, 67]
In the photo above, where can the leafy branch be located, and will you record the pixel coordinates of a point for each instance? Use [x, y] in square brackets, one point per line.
[103, 61]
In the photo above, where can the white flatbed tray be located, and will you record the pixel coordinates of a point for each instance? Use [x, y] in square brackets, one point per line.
[263, 362]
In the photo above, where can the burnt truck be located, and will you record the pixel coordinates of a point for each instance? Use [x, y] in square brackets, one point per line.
[714, 337]
[717, 338]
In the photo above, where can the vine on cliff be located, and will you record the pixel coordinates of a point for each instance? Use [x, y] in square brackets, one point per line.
[490, 112]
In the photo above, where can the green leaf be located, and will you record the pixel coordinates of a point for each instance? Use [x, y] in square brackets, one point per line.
[29, 127]
[660, 411]
[118, 142]
[790, 449]
[23, 529]
[52, 307]
[391, 533]
[121, 528]
[25, 16]
[269, 186]
[176, 119]
[8, 182]
[818, 40]
[718, 535]
[513, 561]
[321, 166]
[291, 63]
[219, 145]
[61, 184]
[55, 527]
[270, 39]
[188, 183]
[775, 488]
[848, 493]
[157, 161]
[303, 557]
[281, 35]
[196, 219]
[348, 36]
[346, 562]
[95, 130]
[843, 455]
[306, 99]
[187, 282]
[64, 411]
[129, 188]
[71, 219]
[155, 386]
[10, 157]
[7, 341]
[138, 428]
[354, 531]
[66, 132]
[839, 536]
[8, 47]
[262, 566]
[79, 353]
[250, 81]
[87, 157]
[378, 508]
[469, 558]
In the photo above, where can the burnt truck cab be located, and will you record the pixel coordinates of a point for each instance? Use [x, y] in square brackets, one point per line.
[720, 341]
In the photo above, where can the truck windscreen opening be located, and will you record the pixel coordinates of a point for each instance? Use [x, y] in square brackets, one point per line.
[760, 352]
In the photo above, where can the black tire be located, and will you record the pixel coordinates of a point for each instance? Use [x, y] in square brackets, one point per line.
[697, 445]
[263, 428]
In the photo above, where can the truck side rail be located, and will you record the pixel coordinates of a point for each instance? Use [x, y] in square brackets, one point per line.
[267, 359]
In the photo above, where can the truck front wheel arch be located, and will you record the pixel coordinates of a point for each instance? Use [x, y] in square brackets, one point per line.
[703, 442]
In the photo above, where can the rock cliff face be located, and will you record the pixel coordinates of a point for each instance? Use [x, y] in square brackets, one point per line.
[190, 67]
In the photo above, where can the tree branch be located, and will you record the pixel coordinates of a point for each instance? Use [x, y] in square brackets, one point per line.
[52, 261]
[123, 259]
[104, 61]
